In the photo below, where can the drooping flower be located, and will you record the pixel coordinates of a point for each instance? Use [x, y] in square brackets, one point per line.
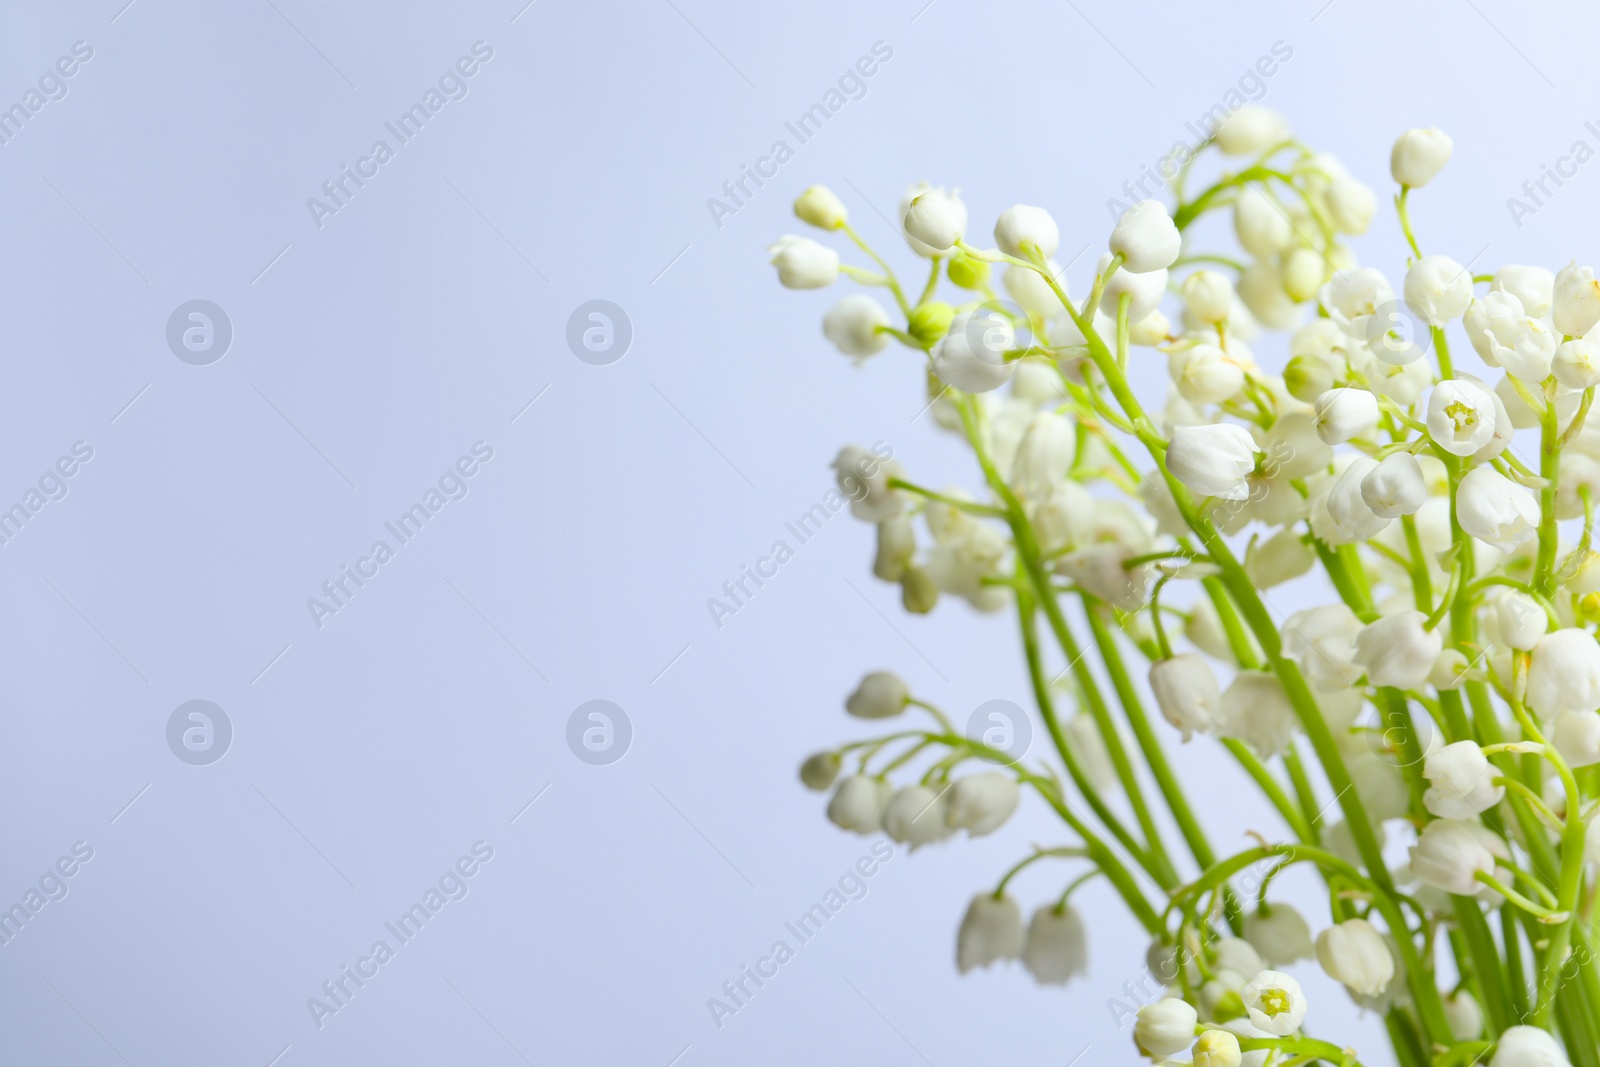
[1057, 945]
[1355, 953]
[1419, 155]
[1213, 460]
[991, 930]
[1146, 238]
[803, 263]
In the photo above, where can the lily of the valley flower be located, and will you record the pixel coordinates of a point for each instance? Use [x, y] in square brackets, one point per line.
[1398, 650]
[1564, 674]
[1355, 953]
[1344, 413]
[803, 263]
[855, 326]
[1496, 510]
[1419, 155]
[1449, 853]
[980, 803]
[1024, 231]
[1576, 307]
[1146, 238]
[1057, 945]
[1186, 691]
[1461, 416]
[1165, 1028]
[990, 931]
[1213, 460]
[1275, 1003]
[934, 219]
[1461, 781]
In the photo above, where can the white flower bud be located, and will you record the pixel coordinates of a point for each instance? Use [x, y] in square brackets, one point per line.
[1495, 509]
[1304, 272]
[1489, 317]
[1022, 231]
[863, 479]
[1461, 416]
[991, 930]
[1352, 205]
[1461, 1011]
[1237, 955]
[1525, 347]
[1213, 460]
[1351, 297]
[1449, 852]
[1217, 1048]
[1521, 621]
[1278, 559]
[1534, 287]
[1577, 364]
[1395, 487]
[1576, 304]
[1346, 507]
[1208, 295]
[854, 325]
[1044, 455]
[1145, 289]
[1355, 953]
[1461, 781]
[820, 207]
[1165, 1028]
[1398, 650]
[971, 357]
[1099, 569]
[1084, 737]
[819, 770]
[934, 220]
[858, 804]
[1204, 374]
[1260, 223]
[980, 803]
[1253, 128]
[915, 816]
[803, 263]
[1528, 1046]
[1064, 518]
[1438, 288]
[1151, 330]
[1564, 674]
[897, 544]
[1322, 642]
[1275, 1003]
[1146, 238]
[1419, 155]
[1343, 413]
[881, 695]
[1256, 710]
[1279, 934]
[1576, 735]
[1057, 946]
[1186, 691]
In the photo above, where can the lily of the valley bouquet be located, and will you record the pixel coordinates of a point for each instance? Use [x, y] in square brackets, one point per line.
[1444, 693]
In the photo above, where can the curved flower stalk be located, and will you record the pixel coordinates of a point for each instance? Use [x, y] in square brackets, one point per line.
[1445, 687]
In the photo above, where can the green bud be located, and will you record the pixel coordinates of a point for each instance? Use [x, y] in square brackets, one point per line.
[931, 321]
[819, 770]
[821, 208]
[1307, 377]
[967, 272]
[918, 594]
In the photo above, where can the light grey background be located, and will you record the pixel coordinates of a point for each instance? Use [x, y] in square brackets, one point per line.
[425, 316]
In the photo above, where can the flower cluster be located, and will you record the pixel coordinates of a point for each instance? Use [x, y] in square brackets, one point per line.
[1445, 687]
